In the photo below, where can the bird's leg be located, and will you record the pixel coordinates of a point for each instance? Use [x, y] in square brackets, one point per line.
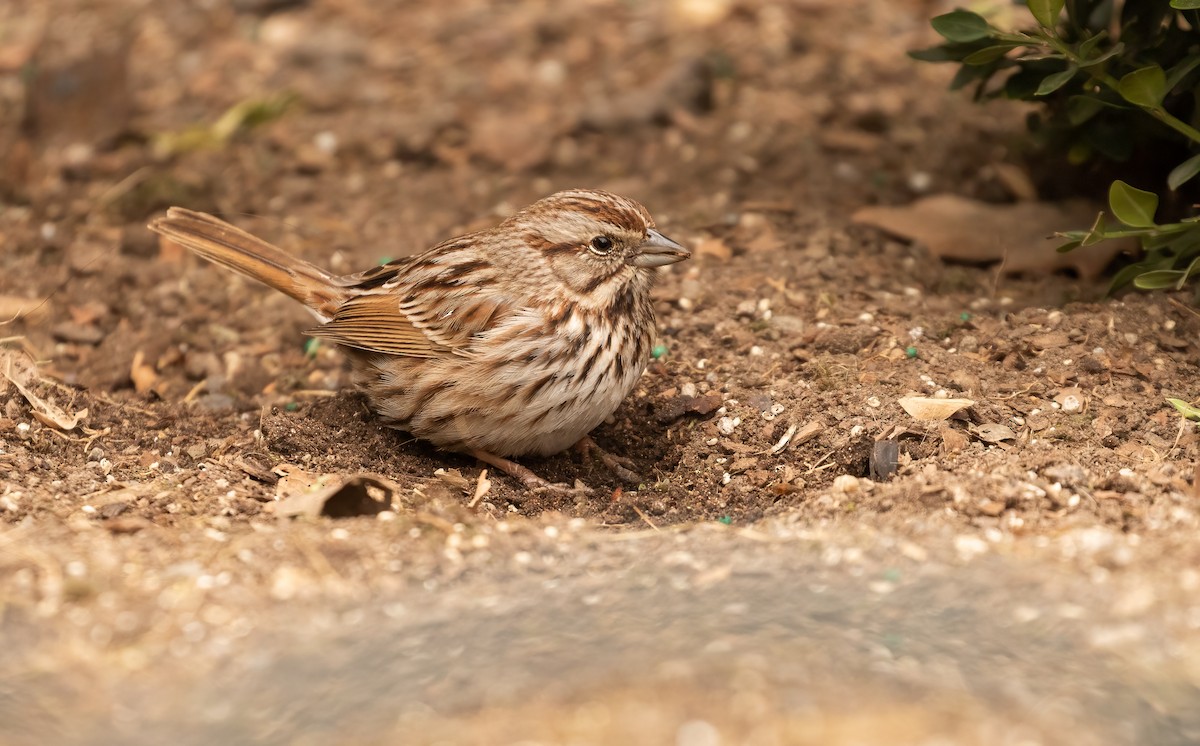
[531, 481]
[619, 465]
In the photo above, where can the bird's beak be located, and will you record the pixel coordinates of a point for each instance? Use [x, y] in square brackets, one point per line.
[658, 251]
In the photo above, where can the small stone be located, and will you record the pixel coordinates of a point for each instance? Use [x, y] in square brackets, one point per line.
[112, 510]
[69, 331]
[845, 484]
[726, 425]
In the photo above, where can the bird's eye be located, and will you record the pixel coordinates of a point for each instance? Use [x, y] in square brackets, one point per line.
[601, 245]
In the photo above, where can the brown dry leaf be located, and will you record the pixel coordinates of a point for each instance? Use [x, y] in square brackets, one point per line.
[953, 441]
[143, 376]
[482, 487]
[13, 307]
[334, 495]
[1021, 235]
[714, 247]
[19, 369]
[929, 409]
[1016, 180]
[808, 432]
[170, 252]
[993, 432]
[765, 241]
[454, 478]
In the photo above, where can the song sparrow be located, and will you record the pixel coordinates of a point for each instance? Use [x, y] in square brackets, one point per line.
[515, 340]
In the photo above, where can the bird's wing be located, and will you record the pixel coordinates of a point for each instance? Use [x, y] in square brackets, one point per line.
[427, 306]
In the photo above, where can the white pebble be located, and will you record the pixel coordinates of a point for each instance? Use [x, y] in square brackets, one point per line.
[845, 484]
[726, 425]
[920, 181]
[688, 389]
[326, 142]
[969, 547]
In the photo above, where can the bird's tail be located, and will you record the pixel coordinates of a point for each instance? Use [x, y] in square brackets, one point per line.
[232, 247]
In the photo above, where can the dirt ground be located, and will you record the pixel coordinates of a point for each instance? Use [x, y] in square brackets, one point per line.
[1030, 574]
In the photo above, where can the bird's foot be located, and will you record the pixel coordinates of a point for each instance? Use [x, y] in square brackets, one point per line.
[619, 465]
[532, 482]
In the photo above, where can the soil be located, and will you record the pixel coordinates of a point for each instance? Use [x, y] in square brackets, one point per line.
[1028, 574]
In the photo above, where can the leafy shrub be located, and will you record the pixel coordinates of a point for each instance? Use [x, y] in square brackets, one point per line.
[1117, 82]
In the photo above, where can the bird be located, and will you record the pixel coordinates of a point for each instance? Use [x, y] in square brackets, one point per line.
[517, 340]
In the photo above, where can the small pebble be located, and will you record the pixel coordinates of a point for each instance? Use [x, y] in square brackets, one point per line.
[845, 484]
[726, 425]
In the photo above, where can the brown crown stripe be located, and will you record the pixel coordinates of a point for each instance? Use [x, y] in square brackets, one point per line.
[620, 216]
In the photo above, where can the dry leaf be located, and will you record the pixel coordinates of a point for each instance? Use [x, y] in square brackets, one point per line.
[993, 432]
[715, 247]
[331, 495]
[928, 409]
[482, 487]
[20, 370]
[765, 241]
[170, 252]
[1021, 235]
[143, 376]
[953, 441]
[13, 307]
[454, 478]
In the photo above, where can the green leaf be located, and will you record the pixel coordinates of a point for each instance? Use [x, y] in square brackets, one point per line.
[1185, 4]
[1113, 52]
[1131, 205]
[1046, 11]
[1052, 83]
[1096, 234]
[1144, 87]
[988, 55]
[966, 75]
[961, 25]
[1125, 276]
[1159, 279]
[1180, 71]
[1184, 172]
[1069, 246]
[1090, 44]
[1082, 108]
[940, 53]
[1187, 410]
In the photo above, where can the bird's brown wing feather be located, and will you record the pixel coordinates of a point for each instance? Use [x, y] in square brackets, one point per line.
[405, 309]
[375, 323]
